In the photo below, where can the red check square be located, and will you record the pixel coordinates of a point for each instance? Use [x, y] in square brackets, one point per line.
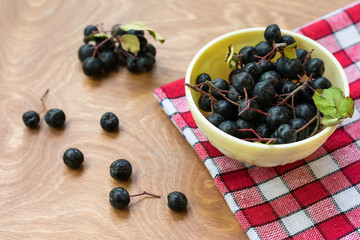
[317, 30]
[269, 229]
[237, 180]
[352, 173]
[337, 140]
[336, 227]
[317, 210]
[310, 194]
[354, 13]
[260, 174]
[343, 58]
[298, 177]
[335, 182]
[285, 205]
[260, 214]
[355, 90]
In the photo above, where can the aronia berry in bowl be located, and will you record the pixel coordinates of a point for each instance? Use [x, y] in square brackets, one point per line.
[264, 119]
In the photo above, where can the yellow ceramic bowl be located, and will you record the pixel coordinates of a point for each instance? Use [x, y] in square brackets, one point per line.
[211, 59]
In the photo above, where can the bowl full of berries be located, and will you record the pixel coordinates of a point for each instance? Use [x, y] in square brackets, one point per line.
[267, 96]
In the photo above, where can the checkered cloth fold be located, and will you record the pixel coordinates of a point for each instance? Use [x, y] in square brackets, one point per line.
[314, 198]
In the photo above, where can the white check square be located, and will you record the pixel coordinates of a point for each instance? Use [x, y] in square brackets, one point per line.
[347, 199]
[297, 222]
[212, 167]
[273, 188]
[323, 166]
[168, 107]
[190, 136]
[343, 38]
[230, 200]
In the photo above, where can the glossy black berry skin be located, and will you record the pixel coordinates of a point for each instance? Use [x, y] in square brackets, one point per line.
[204, 103]
[85, 51]
[90, 29]
[253, 69]
[301, 54]
[131, 64]
[143, 44]
[119, 197]
[220, 84]
[272, 33]
[297, 123]
[315, 67]
[31, 119]
[272, 77]
[292, 68]
[249, 114]
[243, 80]
[73, 158]
[285, 133]
[266, 66]
[225, 108]
[277, 115]
[229, 127]
[120, 169]
[109, 122]
[55, 118]
[233, 95]
[215, 119]
[118, 30]
[245, 125]
[136, 32]
[279, 66]
[177, 201]
[145, 62]
[92, 67]
[265, 92]
[248, 54]
[264, 131]
[110, 60]
[306, 111]
[263, 48]
[321, 83]
[201, 78]
[289, 40]
[151, 49]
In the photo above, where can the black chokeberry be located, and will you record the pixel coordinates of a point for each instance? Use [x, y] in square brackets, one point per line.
[73, 158]
[215, 119]
[119, 197]
[117, 30]
[85, 51]
[31, 119]
[55, 118]
[253, 69]
[90, 29]
[285, 133]
[263, 130]
[177, 201]
[225, 108]
[248, 114]
[109, 59]
[131, 64]
[245, 125]
[220, 84]
[92, 67]
[120, 169]
[315, 67]
[277, 115]
[263, 48]
[297, 123]
[233, 95]
[292, 68]
[306, 111]
[201, 78]
[272, 77]
[109, 122]
[301, 54]
[143, 44]
[136, 32]
[243, 81]
[151, 49]
[248, 54]
[321, 83]
[265, 92]
[272, 33]
[229, 127]
[287, 39]
[266, 66]
[204, 103]
[145, 62]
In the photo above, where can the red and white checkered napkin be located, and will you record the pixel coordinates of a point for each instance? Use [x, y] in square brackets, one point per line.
[314, 198]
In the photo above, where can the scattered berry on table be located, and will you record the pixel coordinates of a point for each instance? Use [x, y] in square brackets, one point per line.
[119, 197]
[120, 169]
[109, 122]
[55, 118]
[177, 201]
[31, 119]
[73, 158]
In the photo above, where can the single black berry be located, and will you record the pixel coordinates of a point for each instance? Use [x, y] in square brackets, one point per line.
[233, 95]
[301, 54]
[306, 111]
[215, 119]
[31, 119]
[315, 67]
[73, 158]
[287, 39]
[120, 169]
[177, 201]
[248, 54]
[220, 84]
[321, 83]
[265, 92]
[263, 48]
[145, 62]
[119, 197]
[109, 122]
[85, 51]
[55, 118]
[285, 133]
[272, 33]
[248, 114]
[245, 125]
[277, 115]
[266, 66]
[143, 44]
[90, 29]
[225, 108]
[298, 123]
[204, 103]
[136, 32]
[201, 78]
[151, 49]
[292, 68]
[253, 69]
[92, 66]
[229, 127]
[264, 131]
[272, 77]
[110, 60]
[243, 81]
[131, 64]
[117, 30]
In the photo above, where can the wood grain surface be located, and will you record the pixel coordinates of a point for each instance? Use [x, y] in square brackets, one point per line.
[40, 198]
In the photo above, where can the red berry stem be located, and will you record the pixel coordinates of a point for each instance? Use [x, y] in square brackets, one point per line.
[309, 122]
[145, 193]
[42, 99]
[247, 105]
[259, 138]
[100, 44]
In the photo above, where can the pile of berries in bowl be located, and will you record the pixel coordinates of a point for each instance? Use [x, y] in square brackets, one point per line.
[265, 102]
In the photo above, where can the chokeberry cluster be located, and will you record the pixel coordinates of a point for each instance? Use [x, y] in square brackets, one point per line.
[104, 51]
[265, 98]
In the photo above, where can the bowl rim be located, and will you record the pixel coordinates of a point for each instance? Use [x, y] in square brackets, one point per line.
[192, 104]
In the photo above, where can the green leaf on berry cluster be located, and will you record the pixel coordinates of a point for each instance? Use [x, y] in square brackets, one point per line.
[333, 105]
[137, 25]
[130, 42]
[289, 51]
[229, 59]
[98, 36]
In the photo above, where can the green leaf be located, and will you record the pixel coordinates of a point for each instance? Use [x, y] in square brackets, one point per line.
[97, 36]
[333, 105]
[289, 51]
[229, 59]
[130, 43]
[137, 25]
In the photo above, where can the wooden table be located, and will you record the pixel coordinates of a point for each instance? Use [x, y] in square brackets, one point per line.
[40, 198]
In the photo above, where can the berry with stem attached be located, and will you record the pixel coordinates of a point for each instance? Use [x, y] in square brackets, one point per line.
[120, 198]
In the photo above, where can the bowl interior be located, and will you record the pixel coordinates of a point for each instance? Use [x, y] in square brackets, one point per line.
[211, 59]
